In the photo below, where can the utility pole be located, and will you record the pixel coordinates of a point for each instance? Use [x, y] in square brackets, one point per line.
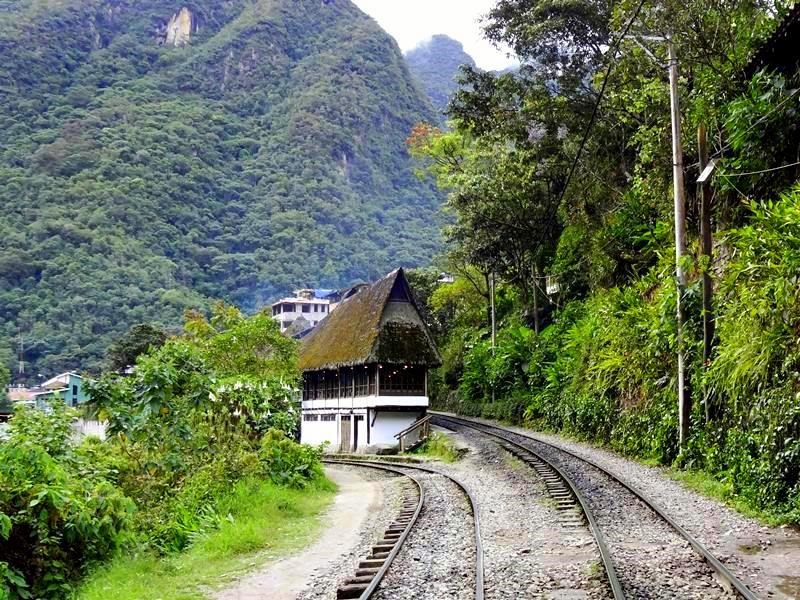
[684, 394]
[21, 348]
[706, 250]
[494, 326]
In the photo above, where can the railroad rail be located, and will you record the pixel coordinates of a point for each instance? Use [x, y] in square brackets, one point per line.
[396, 468]
[374, 567]
[726, 577]
[567, 497]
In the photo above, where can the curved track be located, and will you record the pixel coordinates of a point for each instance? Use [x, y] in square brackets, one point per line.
[728, 579]
[372, 570]
[396, 468]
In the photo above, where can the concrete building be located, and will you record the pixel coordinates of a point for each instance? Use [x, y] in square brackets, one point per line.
[365, 368]
[67, 387]
[310, 305]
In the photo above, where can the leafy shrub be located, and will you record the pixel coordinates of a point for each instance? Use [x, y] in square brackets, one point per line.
[51, 428]
[288, 463]
[60, 514]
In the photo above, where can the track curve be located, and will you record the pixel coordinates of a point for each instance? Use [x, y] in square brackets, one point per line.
[726, 576]
[395, 467]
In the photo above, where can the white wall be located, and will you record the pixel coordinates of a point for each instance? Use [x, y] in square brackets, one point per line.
[84, 428]
[362, 431]
[387, 425]
[410, 402]
[318, 432]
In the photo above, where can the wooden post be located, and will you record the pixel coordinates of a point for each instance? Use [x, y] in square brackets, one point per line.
[684, 394]
[494, 326]
[536, 323]
[706, 250]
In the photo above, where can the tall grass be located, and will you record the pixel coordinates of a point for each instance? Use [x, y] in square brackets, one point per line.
[263, 522]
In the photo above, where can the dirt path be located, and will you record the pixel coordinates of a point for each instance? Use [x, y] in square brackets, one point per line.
[286, 578]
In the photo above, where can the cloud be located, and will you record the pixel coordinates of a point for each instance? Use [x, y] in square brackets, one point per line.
[411, 22]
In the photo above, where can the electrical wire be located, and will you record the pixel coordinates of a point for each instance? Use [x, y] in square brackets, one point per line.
[794, 164]
[612, 52]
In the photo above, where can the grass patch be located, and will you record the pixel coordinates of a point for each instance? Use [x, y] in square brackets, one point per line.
[438, 445]
[265, 522]
[707, 485]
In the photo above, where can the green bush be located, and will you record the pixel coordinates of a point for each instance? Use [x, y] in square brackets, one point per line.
[604, 369]
[288, 463]
[60, 513]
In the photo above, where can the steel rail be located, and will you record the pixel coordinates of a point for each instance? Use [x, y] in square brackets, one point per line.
[728, 579]
[376, 580]
[599, 538]
[479, 568]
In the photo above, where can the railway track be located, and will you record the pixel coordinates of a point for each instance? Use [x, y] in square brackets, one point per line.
[557, 468]
[361, 588]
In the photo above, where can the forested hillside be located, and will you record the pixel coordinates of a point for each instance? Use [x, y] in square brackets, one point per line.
[436, 64]
[155, 155]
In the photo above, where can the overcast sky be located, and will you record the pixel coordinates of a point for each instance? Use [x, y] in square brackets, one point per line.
[414, 21]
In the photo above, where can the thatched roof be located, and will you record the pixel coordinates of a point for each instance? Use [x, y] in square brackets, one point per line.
[779, 52]
[361, 330]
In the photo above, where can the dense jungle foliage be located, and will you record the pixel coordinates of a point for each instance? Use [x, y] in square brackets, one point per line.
[583, 248]
[436, 63]
[206, 410]
[141, 179]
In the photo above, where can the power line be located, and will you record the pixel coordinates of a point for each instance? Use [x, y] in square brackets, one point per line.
[611, 52]
[794, 164]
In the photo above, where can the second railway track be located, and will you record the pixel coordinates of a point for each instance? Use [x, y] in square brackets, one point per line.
[650, 553]
[388, 556]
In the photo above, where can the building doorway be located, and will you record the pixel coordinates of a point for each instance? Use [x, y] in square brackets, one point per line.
[345, 436]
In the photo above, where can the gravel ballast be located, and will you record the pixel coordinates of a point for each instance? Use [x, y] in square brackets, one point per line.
[323, 585]
[527, 553]
[764, 558]
[437, 559]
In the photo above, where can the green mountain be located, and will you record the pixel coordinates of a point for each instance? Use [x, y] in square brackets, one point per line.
[435, 63]
[156, 154]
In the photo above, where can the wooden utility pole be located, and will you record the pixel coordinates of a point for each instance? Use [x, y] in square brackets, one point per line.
[706, 250]
[684, 394]
[494, 326]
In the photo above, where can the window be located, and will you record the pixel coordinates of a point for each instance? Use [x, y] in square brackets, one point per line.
[365, 380]
[359, 417]
[288, 308]
[74, 390]
[306, 308]
[399, 380]
[330, 417]
[316, 308]
[347, 383]
[276, 310]
[308, 417]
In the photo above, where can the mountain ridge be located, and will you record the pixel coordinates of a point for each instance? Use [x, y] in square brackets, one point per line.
[257, 148]
[436, 63]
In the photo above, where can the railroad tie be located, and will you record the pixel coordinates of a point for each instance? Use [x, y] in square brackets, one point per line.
[370, 566]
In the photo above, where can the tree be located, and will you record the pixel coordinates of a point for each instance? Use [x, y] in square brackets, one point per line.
[139, 339]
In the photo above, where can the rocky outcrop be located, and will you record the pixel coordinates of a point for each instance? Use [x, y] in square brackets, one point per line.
[180, 28]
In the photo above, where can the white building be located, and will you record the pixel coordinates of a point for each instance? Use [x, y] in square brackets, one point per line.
[365, 368]
[305, 304]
